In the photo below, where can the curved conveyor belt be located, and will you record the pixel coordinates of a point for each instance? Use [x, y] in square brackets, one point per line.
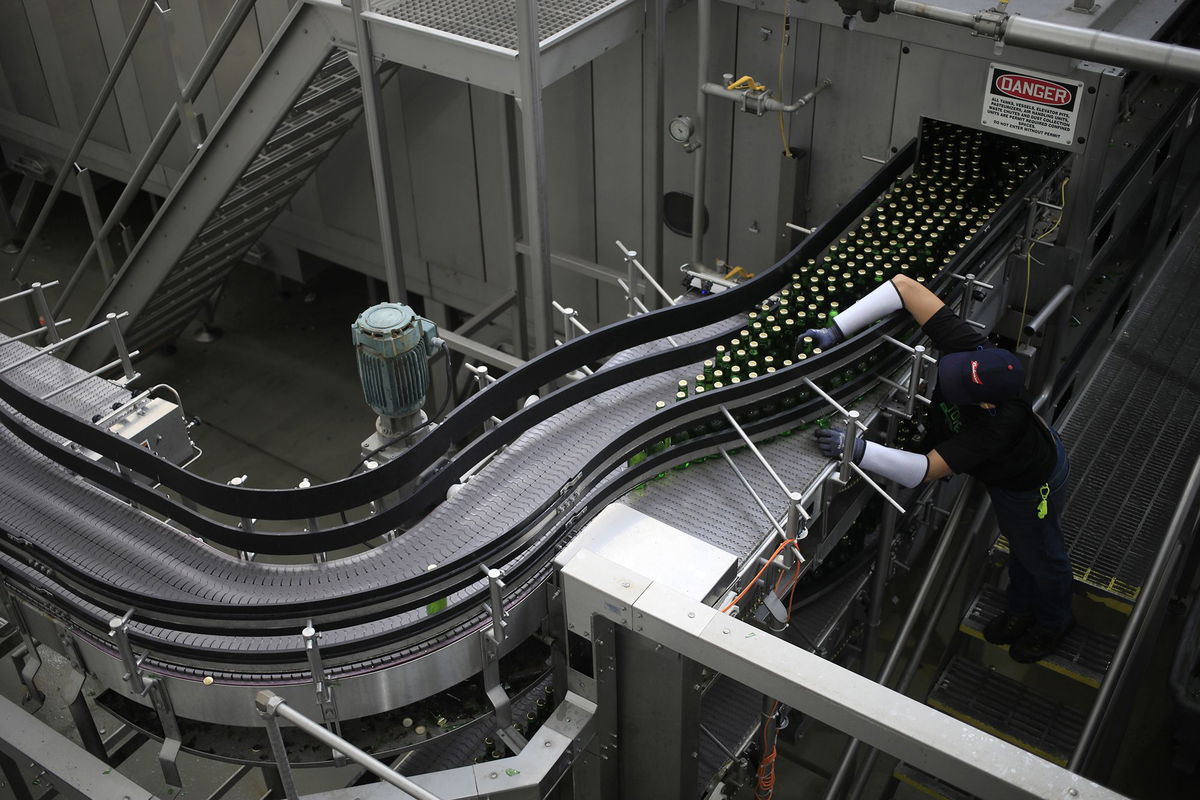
[68, 540]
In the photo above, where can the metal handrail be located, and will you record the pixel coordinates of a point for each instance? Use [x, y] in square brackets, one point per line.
[271, 705]
[81, 138]
[1115, 675]
[191, 91]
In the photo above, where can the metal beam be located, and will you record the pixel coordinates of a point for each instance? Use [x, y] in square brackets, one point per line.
[73, 771]
[968, 758]
[480, 352]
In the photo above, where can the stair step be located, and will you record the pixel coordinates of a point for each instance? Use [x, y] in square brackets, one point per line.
[1007, 709]
[1097, 585]
[928, 785]
[1084, 654]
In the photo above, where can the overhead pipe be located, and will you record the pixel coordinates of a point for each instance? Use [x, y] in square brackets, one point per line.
[1085, 44]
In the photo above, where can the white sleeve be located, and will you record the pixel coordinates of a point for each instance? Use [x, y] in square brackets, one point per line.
[882, 300]
[905, 468]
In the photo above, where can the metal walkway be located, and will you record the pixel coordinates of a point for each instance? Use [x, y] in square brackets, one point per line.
[1134, 433]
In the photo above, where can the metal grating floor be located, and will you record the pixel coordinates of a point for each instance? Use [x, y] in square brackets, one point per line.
[1083, 655]
[1003, 707]
[493, 22]
[1134, 434]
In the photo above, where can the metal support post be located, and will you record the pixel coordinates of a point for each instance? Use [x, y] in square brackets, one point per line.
[168, 754]
[630, 257]
[911, 390]
[283, 765]
[932, 573]
[381, 159]
[491, 642]
[970, 284]
[28, 662]
[883, 565]
[191, 120]
[321, 685]
[931, 620]
[271, 705]
[81, 715]
[43, 310]
[91, 207]
[653, 81]
[699, 140]
[631, 282]
[114, 326]
[850, 426]
[533, 137]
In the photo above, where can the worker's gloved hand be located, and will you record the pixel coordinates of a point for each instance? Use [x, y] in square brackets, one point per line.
[823, 338]
[832, 441]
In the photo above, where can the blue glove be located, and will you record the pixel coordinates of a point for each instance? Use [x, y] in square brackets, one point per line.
[832, 440]
[823, 338]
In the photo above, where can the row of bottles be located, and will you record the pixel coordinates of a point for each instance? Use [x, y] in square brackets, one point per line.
[919, 226]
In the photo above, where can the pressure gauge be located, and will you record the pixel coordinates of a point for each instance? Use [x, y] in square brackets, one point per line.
[681, 129]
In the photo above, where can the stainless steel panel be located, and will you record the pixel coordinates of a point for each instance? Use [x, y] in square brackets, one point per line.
[852, 119]
[680, 94]
[570, 182]
[20, 65]
[243, 51]
[617, 145]
[75, 27]
[756, 162]
[156, 79]
[437, 126]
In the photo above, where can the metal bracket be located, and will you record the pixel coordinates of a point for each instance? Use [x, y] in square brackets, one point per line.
[28, 662]
[156, 690]
[490, 641]
[970, 284]
[321, 685]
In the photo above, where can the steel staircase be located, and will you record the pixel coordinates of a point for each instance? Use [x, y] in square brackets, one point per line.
[300, 99]
[1133, 437]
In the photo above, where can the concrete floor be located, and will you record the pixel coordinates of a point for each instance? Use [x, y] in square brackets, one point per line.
[278, 399]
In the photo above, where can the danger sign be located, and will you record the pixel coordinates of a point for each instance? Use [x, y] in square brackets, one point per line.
[1031, 104]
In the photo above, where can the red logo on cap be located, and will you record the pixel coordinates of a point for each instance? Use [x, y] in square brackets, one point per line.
[975, 373]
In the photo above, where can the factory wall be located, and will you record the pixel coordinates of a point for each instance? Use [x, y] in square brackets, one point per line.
[450, 140]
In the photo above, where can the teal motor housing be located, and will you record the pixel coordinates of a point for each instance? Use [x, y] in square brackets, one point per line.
[393, 345]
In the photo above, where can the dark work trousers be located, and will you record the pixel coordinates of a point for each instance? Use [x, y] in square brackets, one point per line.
[1039, 569]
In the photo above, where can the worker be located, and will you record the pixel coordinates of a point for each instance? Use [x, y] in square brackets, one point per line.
[982, 424]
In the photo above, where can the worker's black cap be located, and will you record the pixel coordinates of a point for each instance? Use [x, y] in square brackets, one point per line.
[990, 375]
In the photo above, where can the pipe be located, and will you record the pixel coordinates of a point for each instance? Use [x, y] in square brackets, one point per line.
[110, 82]
[1081, 43]
[270, 703]
[761, 103]
[1034, 325]
[703, 29]
[1114, 677]
[910, 621]
[936, 13]
[1106, 48]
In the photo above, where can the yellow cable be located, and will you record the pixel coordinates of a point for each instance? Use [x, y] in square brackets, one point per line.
[1062, 202]
[787, 7]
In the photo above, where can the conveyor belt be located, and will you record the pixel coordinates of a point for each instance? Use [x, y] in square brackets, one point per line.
[1134, 433]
